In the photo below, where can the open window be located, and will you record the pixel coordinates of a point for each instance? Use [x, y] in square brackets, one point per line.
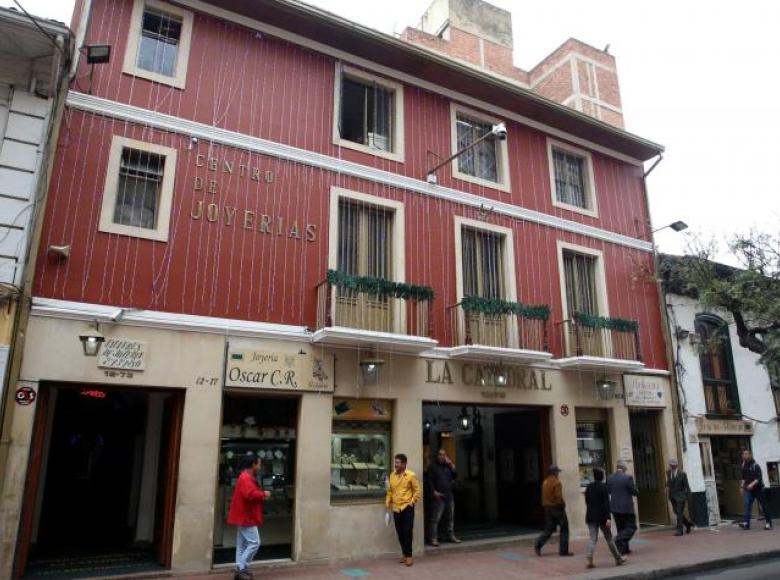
[158, 45]
[368, 113]
[717, 367]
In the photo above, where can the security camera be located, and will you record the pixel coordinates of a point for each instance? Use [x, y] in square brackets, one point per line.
[499, 130]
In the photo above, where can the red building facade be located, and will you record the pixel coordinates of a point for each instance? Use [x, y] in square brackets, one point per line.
[245, 132]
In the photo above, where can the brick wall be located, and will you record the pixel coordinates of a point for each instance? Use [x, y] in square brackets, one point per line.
[575, 74]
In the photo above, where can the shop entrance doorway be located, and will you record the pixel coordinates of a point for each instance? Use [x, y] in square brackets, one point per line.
[500, 454]
[102, 482]
[727, 461]
[649, 471]
[264, 427]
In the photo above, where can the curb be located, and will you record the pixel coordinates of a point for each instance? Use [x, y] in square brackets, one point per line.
[706, 566]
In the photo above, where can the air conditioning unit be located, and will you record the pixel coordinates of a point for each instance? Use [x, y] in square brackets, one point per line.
[376, 141]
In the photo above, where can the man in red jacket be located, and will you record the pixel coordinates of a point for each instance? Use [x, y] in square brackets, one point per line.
[246, 513]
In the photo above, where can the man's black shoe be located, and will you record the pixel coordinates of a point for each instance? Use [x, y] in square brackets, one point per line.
[678, 533]
[537, 550]
[566, 554]
[743, 526]
[688, 528]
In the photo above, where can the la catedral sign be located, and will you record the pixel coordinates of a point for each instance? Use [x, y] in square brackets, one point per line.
[261, 369]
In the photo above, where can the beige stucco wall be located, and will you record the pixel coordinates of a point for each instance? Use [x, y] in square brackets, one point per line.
[322, 531]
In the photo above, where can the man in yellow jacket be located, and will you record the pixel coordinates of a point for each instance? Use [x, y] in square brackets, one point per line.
[403, 492]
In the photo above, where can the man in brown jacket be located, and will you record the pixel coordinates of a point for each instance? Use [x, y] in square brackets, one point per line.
[554, 513]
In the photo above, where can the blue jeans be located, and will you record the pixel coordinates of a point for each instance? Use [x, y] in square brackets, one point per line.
[756, 494]
[247, 544]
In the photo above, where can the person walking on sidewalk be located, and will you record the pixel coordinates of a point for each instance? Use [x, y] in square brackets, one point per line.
[554, 513]
[622, 492]
[403, 493]
[678, 490]
[752, 489]
[246, 513]
[597, 518]
[442, 475]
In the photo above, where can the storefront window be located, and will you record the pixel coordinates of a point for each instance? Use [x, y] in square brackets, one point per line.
[591, 449]
[265, 428]
[360, 448]
[772, 474]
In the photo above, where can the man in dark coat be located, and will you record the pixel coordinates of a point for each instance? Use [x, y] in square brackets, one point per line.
[441, 476]
[597, 517]
[678, 489]
[622, 492]
[752, 489]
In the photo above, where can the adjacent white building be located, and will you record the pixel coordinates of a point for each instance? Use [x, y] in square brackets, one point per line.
[34, 58]
[728, 402]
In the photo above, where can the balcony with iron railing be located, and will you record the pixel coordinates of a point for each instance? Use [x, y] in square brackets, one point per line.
[375, 312]
[600, 343]
[720, 400]
[499, 329]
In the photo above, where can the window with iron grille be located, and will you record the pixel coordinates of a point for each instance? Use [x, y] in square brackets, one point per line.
[138, 192]
[717, 367]
[365, 240]
[158, 47]
[367, 113]
[571, 179]
[580, 276]
[480, 161]
[483, 271]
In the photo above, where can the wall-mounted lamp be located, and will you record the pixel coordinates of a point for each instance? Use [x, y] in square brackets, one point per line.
[91, 340]
[97, 53]
[497, 131]
[605, 389]
[370, 369]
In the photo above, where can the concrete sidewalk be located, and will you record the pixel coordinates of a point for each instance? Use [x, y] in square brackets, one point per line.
[656, 554]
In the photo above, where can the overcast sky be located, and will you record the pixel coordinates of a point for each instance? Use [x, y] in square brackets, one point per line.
[701, 78]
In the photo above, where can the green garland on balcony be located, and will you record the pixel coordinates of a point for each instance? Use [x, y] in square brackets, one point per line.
[593, 321]
[379, 286]
[494, 306]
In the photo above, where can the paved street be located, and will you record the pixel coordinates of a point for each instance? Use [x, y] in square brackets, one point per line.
[763, 570]
[652, 553]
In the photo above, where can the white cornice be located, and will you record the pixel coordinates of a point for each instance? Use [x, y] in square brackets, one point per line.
[48, 307]
[173, 124]
[422, 83]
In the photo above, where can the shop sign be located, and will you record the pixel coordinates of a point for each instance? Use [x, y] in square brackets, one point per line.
[362, 409]
[498, 378]
[122, 354]
[260, 369]
[723, 427]
[644, 391]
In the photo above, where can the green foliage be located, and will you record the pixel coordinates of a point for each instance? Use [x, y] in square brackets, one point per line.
[750, 292]
[593, 321]
[494, 306]
[379, 286]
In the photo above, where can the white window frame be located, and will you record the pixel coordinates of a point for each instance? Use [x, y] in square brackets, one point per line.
[601, 281]
[398, 250]
[164, 204]
[397, 154]
[508, 265]
[502, 150]
[590, 182]
[130, 67]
